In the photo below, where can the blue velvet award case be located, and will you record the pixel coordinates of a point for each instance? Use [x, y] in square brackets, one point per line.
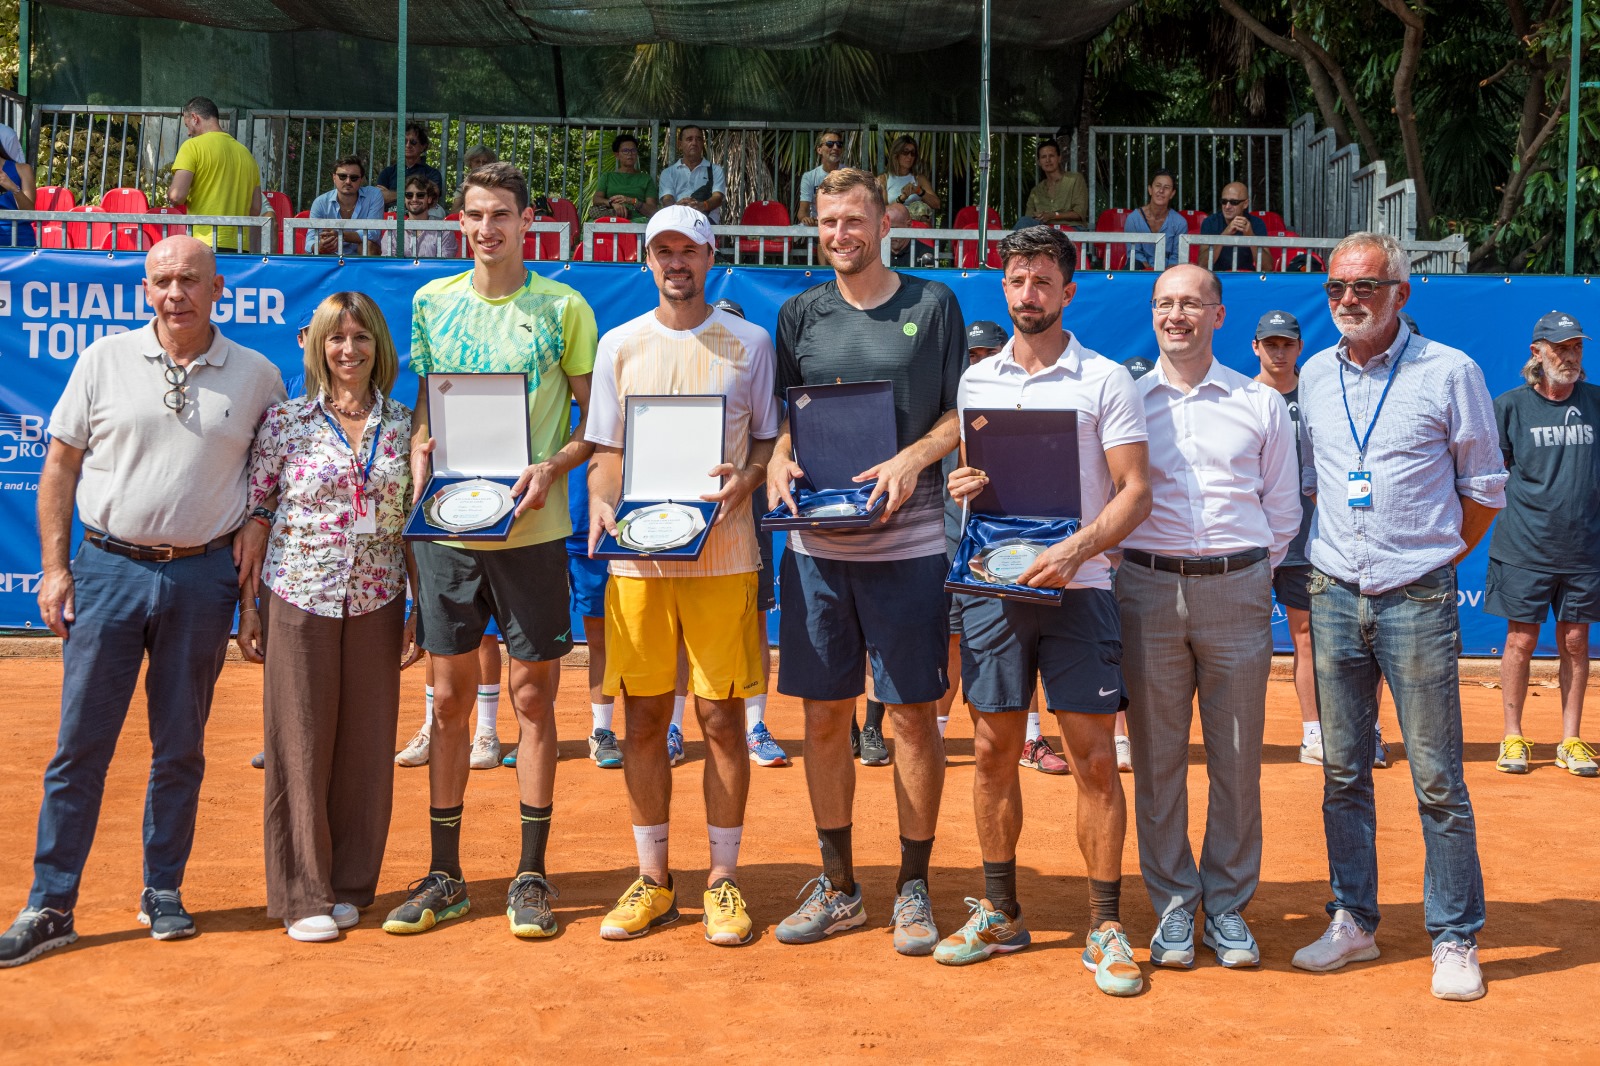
[1033, 494]
[479, 424]
[837, 432]
[668, 445]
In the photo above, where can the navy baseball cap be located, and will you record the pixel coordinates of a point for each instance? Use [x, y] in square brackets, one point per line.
[1139, 366]
[1556, 327]
[1278, 324]
[729, 306]
[986, 334]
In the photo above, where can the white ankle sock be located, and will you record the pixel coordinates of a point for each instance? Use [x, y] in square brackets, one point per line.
[944, 723]
[755, 712]
[724, 849]
[651, 843]
[601, 713]
[678, 703]
[1033, 726]
[488, 709]
[1309, 730]
[427, 703]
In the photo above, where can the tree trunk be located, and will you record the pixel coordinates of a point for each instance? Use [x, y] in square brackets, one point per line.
[1405, 113]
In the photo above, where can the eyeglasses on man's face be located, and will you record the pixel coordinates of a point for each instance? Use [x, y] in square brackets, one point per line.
[1364, 288]
[1234, 203]
[833, 144]
[1187, 308]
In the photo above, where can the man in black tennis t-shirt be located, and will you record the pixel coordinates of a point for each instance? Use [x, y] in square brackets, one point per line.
[881, 588]
[1545, 552]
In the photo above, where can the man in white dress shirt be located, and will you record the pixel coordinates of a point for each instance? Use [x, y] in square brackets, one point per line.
[1194, 592]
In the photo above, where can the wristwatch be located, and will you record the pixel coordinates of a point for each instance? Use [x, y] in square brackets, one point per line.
[265, 515]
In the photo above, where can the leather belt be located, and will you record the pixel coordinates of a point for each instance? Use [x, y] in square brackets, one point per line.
[151, 553]
[1195, 566]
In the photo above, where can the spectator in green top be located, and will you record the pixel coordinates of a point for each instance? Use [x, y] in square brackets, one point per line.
[1062, 198]
[626, 192]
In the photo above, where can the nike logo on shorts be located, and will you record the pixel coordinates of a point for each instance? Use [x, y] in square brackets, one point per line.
[1107, 691]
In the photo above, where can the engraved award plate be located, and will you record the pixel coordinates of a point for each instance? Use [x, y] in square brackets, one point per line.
[1004, 562]
[831, 510]
[659, 527]
[469, 505]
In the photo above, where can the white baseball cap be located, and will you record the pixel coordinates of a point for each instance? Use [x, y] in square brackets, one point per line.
[680, 218]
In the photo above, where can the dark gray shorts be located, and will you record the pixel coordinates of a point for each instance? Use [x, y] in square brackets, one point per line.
[1075, 650]
[1289, 586]
[1522, 595]
[523, 589]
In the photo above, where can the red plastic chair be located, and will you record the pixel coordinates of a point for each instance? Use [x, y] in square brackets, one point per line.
[87, 235]
[1194, 219]
[540, 246]
[154, 233]
[54, 198]
[764, 213]
[611, 247]
[1112, 220]
[967, 251]
[300, 235]
[1274, 221]
[282, 207]
[125, 201]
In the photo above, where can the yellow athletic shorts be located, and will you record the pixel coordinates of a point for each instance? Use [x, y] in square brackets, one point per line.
[717, 620]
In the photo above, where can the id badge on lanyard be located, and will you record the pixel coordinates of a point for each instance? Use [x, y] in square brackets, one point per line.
[1358, 490]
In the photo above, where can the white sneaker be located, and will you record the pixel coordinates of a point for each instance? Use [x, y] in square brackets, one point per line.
[414, 753]
[311, 930]
[1344, 941]
[1124, 755]
[485, 752]
[345, 915]
[1455, 971]
[1311, 750]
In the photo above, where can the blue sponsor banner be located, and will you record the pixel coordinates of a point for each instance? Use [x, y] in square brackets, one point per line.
[54, 304]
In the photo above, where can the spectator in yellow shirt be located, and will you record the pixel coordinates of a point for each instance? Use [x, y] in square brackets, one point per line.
[215, 175]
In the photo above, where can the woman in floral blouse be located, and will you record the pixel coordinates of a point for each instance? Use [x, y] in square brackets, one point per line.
[335, 634]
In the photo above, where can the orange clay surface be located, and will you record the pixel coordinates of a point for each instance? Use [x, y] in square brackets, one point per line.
[470, 992]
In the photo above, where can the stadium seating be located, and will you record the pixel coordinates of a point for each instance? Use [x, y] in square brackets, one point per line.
[764, 213]
[125, 201]
[87, 235]
[54, 198]
[611, 247]
[966, 252]
[301, 234]
[540, 246]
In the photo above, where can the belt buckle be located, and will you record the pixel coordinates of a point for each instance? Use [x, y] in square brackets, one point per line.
[1183, 566]
[158, 554]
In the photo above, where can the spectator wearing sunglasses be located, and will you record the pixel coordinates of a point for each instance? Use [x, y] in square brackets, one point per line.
[420, 198]
[350, 197]
[1234, 220]
[151, 441]
[907, 182]
[416, 166]
[830, 150]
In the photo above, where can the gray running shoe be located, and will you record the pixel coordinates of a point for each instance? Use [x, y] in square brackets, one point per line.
[874, 749]
[162, 910]
[826, 911]
[35, 932]
[914, 931]
[1173, 944]
[1229, 936]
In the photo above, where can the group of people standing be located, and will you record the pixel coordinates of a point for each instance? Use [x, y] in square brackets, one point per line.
[1191, 495]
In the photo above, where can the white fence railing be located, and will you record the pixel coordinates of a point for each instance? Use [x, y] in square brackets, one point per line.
[106, 231]
[297, 150]
[1122, 160]
[1310, 254]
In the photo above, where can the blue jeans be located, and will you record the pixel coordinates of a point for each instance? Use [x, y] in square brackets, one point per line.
[181, 613]
[1411, 637]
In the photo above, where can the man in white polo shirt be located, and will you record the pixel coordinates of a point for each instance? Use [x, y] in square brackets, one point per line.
[1074, 647]
[1195, 591]
[152, 438]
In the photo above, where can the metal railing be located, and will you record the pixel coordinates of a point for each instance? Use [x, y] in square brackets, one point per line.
[297, 150]
[1335, 195]
[1201, 159]
[90, 149]
[1309, 254]
[14, 113]
[562, 245]
[950, 156]
[561, 157]
[107, 231]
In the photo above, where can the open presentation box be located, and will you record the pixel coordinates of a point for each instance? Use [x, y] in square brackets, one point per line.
[479, 425]
[837, 431]
[670, 444]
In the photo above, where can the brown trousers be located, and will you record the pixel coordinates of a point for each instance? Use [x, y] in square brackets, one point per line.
[331, 702]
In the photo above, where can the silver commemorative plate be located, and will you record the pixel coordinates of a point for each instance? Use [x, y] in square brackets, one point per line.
[659, 527]
[468, 505]
[832, 510]
[1004, 562]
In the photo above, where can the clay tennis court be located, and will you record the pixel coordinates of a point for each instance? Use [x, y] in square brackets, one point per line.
[469, 992]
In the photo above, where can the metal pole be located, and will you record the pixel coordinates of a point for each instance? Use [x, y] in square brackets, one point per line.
[983, 148]
[24, 56]
[400, 134]
[1574, 94]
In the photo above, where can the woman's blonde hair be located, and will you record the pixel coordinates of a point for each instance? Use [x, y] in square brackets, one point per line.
[326, 320]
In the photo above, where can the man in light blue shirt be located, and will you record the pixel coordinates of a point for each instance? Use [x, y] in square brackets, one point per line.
[350, 197]
[1403, 455]
[693, 180]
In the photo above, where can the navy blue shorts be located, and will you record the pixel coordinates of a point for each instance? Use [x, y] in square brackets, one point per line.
[1289, 586]
[1522, 595]
[1075, 650]
[587, 578]
[837, 615]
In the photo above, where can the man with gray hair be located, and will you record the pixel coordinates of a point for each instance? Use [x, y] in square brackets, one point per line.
[1405, 427]
[151, 440]
[1545, 553]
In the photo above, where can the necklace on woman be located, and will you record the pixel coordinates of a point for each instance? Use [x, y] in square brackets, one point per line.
[357, 414]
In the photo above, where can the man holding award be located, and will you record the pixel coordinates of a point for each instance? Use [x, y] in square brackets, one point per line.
[683, 348]
[879, 587]
[499, 317]
[1073, 646]
[1195, 593]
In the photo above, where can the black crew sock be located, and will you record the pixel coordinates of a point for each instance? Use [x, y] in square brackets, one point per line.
[874, 715]
[1105, 902]
[444, 831]
[1000, 886]
[535, 834]
[838, 860]
[914, 856]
